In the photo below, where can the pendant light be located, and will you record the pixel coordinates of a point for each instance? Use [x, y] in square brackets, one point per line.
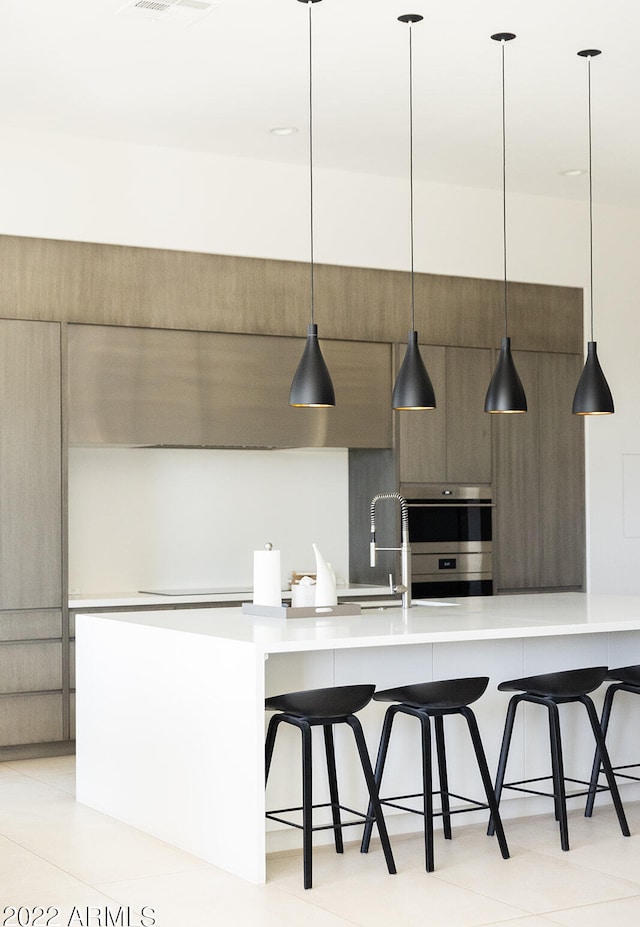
[311, 385]
[413, 389]
[592, 395]
[505, 393]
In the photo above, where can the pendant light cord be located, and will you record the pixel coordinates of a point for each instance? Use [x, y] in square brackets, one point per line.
[413, 287]
[310, 4]
[504, 190]
[590, 196]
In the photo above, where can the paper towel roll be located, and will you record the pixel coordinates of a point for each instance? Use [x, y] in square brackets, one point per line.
[267, 588]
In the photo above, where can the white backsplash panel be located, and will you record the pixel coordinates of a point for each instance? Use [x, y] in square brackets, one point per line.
[172, 518]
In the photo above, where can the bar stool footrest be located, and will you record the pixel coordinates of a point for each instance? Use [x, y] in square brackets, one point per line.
[517, 786]
[393, 800]
[617, 771]
[362, 817]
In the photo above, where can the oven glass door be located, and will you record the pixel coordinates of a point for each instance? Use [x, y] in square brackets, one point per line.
[455, 522]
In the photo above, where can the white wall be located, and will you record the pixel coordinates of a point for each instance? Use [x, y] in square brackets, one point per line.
[62, 187]
[149, 518]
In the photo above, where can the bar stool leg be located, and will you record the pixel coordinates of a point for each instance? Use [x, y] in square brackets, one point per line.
[486, 779]
[383, 747]
[427, 791]
[333, 786]
[443, 777]
[270, 743]
[307, 802]
[557, 769]
[606, 763]
[356, 727]
[595, 769]
[556, 795]
[514, 701]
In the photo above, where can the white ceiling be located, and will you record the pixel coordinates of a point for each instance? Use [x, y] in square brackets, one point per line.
[82, 67]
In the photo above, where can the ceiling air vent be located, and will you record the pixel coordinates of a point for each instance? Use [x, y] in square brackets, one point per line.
[172, 12]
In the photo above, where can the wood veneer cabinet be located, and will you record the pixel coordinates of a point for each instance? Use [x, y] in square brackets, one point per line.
[451, 443]
[101, 284]
[31, 627]
[539, 526]
[30, 465]
[31, 679]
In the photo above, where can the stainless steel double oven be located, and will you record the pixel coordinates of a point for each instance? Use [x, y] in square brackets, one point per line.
[450, 531]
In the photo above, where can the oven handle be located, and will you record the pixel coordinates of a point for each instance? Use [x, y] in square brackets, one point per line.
[451, 505]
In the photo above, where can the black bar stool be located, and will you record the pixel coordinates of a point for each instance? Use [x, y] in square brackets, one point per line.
[325, 707]
[551, 690]
[625, 679]
[436, 700]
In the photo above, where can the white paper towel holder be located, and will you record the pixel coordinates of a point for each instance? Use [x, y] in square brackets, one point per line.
[267, 588]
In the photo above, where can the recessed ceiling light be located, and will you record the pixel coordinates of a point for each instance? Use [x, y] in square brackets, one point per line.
[573, 172]
[283, 130]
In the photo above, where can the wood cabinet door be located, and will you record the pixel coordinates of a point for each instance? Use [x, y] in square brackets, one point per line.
[30, 465]
[539, 520]
[516, 487]
[422, 434]
[468, 371]
[561, 486]
[451, 443]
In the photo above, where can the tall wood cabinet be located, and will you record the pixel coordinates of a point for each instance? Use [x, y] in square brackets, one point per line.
[451, 443]
[31, 604]
[539, 525]
[535, 461]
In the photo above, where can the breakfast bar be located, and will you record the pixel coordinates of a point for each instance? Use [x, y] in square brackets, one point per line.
[171, 720]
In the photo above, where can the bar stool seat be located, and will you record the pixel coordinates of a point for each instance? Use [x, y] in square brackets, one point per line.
[623, 679]
[425, 701]
[325, 707]
[629, 675]
[552, 690]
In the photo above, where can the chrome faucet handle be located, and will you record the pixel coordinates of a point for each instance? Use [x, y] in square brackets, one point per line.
[395, 589]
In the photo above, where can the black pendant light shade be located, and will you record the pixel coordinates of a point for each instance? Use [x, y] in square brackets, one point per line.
[413, 389]
[592, 396]
[311, 385]
[505, 393]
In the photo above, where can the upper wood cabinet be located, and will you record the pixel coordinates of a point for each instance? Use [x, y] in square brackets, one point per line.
[137, 386]
[539, 523]
[100, 284]
[30, 465]
[422, 434]
[451, 443]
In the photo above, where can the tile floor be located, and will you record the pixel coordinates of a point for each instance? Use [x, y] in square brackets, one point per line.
[62, 856]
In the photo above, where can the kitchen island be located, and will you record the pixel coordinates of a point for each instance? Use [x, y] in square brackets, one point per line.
[170, 716]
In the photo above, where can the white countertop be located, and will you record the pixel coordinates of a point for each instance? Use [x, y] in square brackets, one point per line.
[184, 597]
[464, 619]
